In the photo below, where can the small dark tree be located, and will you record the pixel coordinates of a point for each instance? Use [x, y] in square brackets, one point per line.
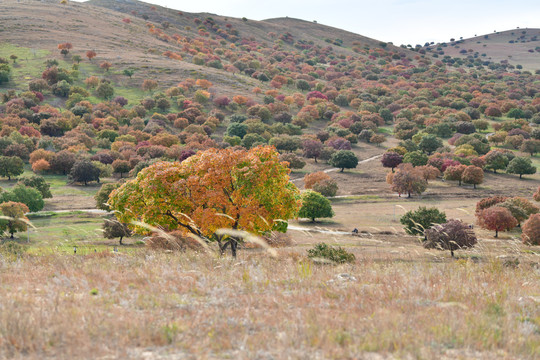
[343, 159]
[113, 228]
[63, 162]
[452, 235]
[312, 148]
[121, 167]
[84, 171]
[391, 159]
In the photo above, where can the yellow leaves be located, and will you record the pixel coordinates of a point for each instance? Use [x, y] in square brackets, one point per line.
[216, 188]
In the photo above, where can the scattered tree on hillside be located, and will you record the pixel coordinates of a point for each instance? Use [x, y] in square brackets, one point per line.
[343, 159]
[496, 218]
[37, 182]
[418, 221]
[314, 206]
[113, 228]
[90, 54]
[452, 235]
[408, 180]
[84, 171]
[522, 166]
[11, 166]
[531, 146]
[31, 197]
[312, 148]
[391, 159]
[473, 175]
[14, 220]
[211, 190]
[149, 85]
[455, 173]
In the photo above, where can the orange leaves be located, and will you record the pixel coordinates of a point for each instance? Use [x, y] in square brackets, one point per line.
[213, 189]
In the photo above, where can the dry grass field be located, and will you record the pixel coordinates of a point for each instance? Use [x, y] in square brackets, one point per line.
[154, 305]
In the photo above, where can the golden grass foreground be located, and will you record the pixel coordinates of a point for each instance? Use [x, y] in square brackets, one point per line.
[170, 305]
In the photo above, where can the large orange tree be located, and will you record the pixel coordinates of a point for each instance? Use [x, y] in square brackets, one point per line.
[215, 189]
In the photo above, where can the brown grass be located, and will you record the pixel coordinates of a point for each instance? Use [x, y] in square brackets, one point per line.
[201, 306]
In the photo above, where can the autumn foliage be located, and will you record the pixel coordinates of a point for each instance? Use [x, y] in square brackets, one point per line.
[496, 218]
[212, 190]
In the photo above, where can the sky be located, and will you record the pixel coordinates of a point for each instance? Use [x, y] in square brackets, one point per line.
[397, 21]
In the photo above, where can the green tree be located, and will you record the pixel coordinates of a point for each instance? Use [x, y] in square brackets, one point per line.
[314, 206]
[522, 166]
[418, 221]
[37, 182]
[11, 166]
[26, 195]
[105, 90]
[343, 159]
[128, 72]
[237, 129]
[429, 144]
[14, 220]
[416, 158]
[102, 196]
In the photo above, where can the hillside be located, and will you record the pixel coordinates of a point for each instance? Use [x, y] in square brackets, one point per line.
[516, 47]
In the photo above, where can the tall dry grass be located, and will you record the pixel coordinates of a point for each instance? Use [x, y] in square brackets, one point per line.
[176, 305]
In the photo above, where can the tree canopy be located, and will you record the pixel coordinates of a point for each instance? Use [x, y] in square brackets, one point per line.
[215, 189]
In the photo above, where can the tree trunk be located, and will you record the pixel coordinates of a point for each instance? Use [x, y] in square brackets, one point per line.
[315, 160]
[121, 240]
[11, 237]
[496, 233]
[520, 175]
[342, 169]
[459, 182]
[85, 183]
[120, 175]
[409, 195]
[234, 245]
[474, 186]
[452, 252]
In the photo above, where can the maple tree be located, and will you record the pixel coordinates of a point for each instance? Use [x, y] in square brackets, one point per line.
[496, 218]
[214, 189]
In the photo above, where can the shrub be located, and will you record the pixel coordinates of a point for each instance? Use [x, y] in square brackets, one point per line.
[336, 255]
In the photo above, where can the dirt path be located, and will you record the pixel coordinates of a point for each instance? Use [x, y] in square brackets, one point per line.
[336, 169]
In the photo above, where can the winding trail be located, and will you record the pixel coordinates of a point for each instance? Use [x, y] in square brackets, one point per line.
[336, 169]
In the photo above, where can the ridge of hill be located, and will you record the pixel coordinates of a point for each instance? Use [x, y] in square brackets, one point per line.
[519, 48]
